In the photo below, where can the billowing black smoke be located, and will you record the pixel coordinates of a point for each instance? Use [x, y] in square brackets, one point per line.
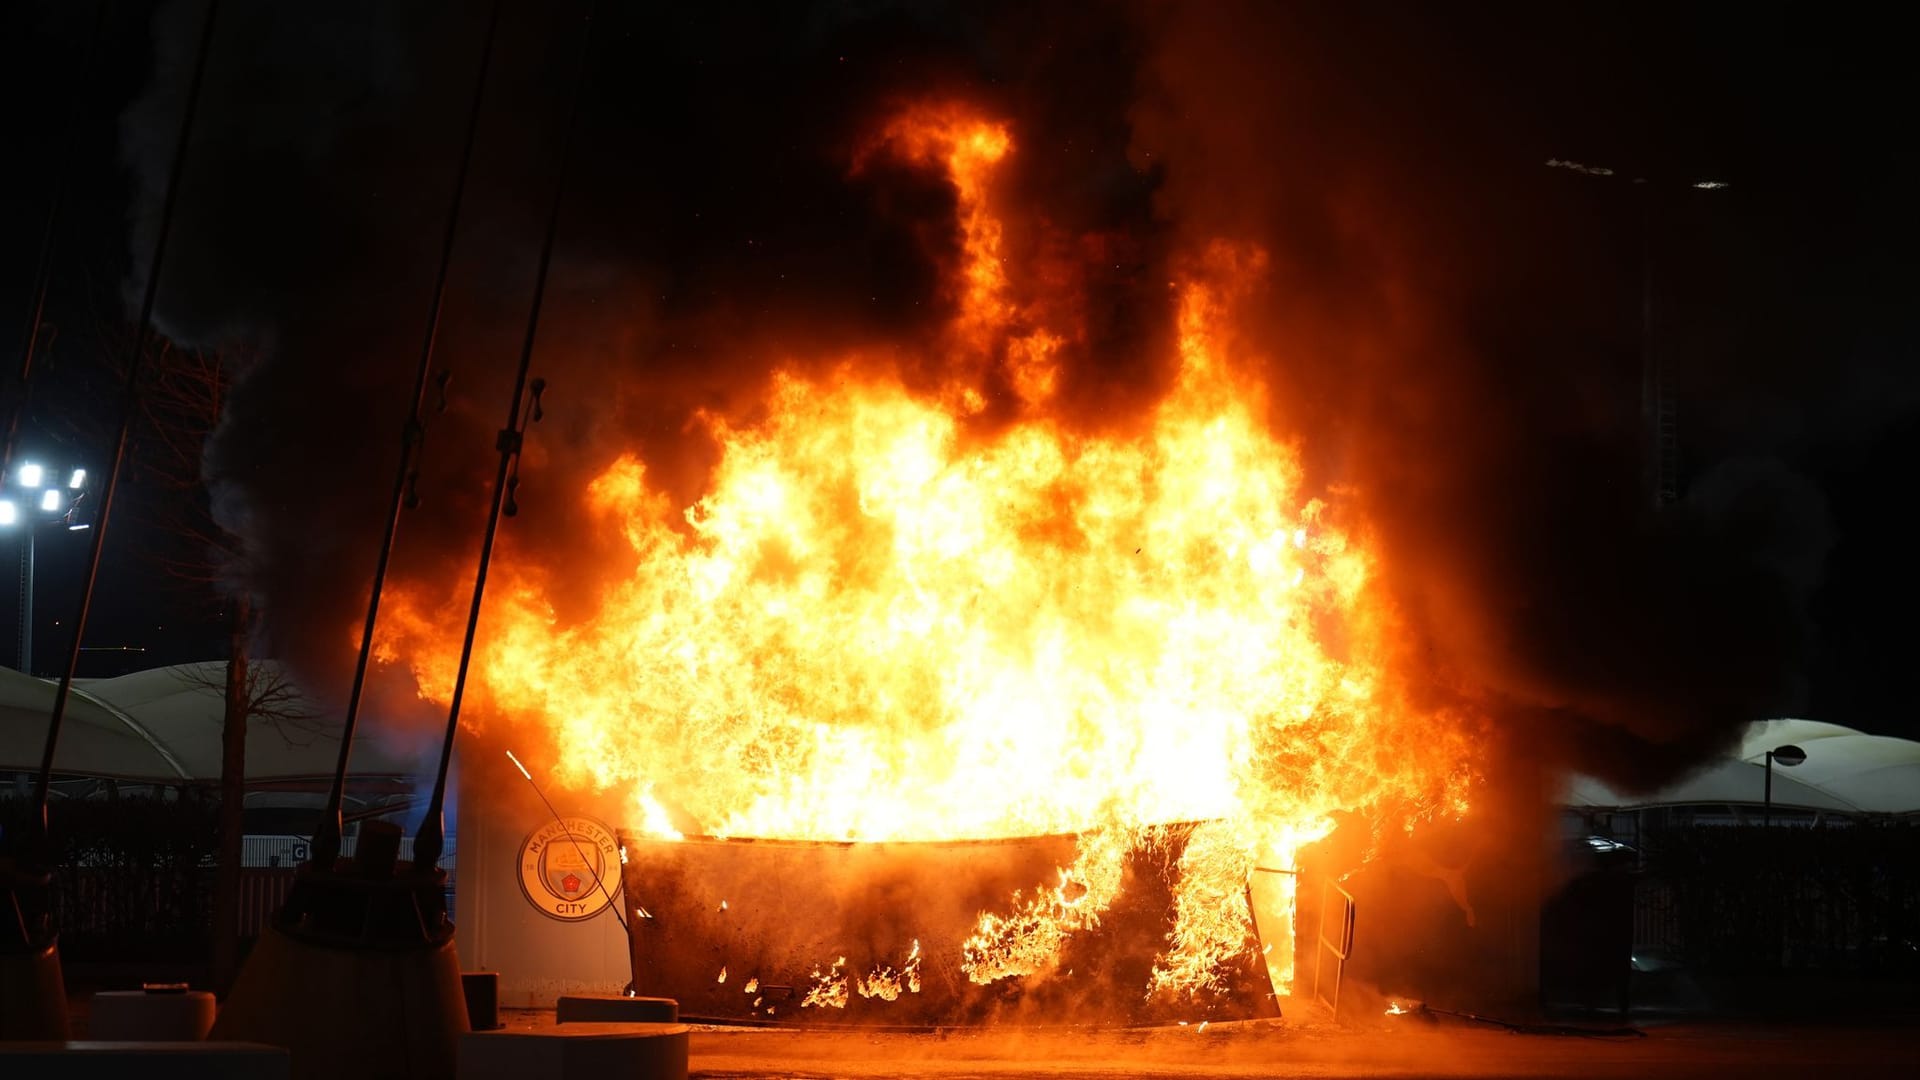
[1453, 329]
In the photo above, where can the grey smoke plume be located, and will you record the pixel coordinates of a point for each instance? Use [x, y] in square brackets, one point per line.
[1449, 323]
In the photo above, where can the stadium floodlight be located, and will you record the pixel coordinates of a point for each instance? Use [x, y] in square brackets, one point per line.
[32, 498]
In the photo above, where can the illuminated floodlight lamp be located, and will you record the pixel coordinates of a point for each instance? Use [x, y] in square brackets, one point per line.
[34, 494]
[1710, 185]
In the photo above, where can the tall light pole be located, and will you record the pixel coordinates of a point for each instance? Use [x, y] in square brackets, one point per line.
[37, 496]
[30, 976]
[1788, 756]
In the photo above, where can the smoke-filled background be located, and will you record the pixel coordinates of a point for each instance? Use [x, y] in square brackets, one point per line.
[1454, 330]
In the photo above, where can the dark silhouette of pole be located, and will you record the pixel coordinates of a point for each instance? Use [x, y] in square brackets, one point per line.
[43, 269]
[429, 841]
[1659, 435]
[1652, 387]
[1788, 756]
[1766, 804]
[326, 839]
[129, 398]
[26, 597]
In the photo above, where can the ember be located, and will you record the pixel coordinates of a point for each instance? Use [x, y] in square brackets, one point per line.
[902, 613]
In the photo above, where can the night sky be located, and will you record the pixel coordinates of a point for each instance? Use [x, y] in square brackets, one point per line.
[1383, 153]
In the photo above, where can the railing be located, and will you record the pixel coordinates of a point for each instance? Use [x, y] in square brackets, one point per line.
[102, 910]
[1341, 947]
[1736, 900]
[262, 891]
[289, 850]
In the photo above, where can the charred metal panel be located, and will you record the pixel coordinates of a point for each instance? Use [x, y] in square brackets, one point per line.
[710, 917]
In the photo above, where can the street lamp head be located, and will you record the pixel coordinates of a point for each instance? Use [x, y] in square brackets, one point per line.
[1788, 755]
[31, 474]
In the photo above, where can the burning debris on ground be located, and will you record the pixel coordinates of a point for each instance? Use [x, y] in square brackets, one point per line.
[1006, 516]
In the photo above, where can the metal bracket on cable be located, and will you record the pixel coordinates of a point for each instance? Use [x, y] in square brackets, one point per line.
[406, 487]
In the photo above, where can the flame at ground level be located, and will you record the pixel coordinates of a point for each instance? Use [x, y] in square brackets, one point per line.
[887, 619]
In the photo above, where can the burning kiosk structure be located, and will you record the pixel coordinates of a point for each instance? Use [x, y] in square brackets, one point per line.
[965, 693]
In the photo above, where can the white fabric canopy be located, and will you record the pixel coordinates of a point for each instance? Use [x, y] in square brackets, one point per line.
[96, 739]
[163, 725]
[1846, 771]
[1877, 773]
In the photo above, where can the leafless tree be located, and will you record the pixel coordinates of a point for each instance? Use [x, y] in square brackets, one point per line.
[183, 402]
[183, 399]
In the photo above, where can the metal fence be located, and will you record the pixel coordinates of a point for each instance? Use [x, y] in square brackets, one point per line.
[133, 878]
[1746, 899]
[160, 915]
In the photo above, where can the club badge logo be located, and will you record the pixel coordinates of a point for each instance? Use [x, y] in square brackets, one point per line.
[570, 868]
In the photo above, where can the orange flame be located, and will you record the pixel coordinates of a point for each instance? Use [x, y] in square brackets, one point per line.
[829, 989]
[880, 622]
[887, 984]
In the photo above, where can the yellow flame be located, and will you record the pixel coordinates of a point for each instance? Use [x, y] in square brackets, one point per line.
[887, 984]
[829, 989]
[886, 621]
[654, 819]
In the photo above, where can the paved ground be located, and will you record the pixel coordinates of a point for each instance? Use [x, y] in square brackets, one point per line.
[1275, 1050]
[1402, 1048]
[1396, 1048]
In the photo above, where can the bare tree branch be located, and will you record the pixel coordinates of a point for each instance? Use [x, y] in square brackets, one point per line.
[271, 697]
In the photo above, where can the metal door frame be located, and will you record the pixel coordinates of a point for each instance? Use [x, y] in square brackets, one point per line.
[1341, 949]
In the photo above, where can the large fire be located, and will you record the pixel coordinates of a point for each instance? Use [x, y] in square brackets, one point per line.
[889, 618]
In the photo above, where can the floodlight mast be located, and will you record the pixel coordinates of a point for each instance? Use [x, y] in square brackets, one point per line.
[22, 506]
[33, 1001]
[521, 410]
[326, 839]
[1659, 417]
[130, 392]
